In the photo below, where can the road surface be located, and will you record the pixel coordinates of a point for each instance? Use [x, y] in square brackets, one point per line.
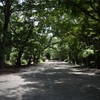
[50, 81]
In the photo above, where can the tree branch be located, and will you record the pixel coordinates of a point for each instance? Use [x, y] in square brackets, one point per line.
[83, 10]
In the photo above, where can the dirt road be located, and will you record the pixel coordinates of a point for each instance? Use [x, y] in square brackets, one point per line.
[50, 81]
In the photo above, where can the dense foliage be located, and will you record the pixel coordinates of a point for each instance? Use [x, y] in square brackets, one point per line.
[31, 30]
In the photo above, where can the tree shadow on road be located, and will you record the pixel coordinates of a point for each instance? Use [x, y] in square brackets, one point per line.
[61, 84]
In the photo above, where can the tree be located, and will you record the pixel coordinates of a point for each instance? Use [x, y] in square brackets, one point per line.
[6, 10]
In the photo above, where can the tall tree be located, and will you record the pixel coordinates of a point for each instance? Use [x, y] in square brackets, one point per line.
[6, 11]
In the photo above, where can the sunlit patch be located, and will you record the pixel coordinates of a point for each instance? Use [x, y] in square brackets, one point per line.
[11, 81]
[89, 86]
[82, 73]
[58, 81]
[61, 67]
[14, 86]
[54, 62]
[75, 69]
[50, 73]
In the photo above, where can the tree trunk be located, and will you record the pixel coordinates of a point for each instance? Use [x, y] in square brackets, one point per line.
[2, 51]
[29, 60]
[3, 43]
[18, 62]
[7, 14]
[35, 59]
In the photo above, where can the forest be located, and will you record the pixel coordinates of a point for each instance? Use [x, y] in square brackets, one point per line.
[32, 31]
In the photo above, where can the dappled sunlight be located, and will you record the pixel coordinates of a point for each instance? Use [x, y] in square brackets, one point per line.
[91, 86]
[81, 72]
[50, 81]
[50, 73]
[61, 67]
[54, 62]
[14, 82]
[12, 86]
[64, 66]
[58, 82]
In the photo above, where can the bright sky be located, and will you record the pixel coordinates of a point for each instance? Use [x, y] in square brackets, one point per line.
[21, 1]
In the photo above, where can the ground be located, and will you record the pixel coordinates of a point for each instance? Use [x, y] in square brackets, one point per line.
[51, 81]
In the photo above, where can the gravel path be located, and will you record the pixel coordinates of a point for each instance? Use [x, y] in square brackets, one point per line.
[51, 81]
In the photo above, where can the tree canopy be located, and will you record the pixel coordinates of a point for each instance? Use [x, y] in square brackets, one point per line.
[31, 30]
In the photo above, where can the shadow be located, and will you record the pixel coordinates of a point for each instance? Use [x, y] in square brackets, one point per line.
[7, 98]
[61, 84]
[55, 81]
